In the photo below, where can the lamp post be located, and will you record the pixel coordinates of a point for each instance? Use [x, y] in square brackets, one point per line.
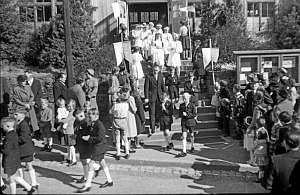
[68, 49]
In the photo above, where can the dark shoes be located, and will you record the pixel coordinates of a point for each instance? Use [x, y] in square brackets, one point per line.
[106, 184]
[72, 164]
[117, 157]
[47, 148]
[132, 151]
[32, 190]
[182, 154]
[169, 147]
[81, 180]
[97, 172]
[3, 187]
[192, 150]
[127, 156]
[84, 189]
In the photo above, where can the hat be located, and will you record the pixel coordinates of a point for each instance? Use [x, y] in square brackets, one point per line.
[158, 25]
[21, 78]
[166, 28]
[90, 72]
[153, 29]
[151, 23]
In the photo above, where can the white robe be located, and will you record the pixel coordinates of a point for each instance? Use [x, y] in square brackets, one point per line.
[175, 48]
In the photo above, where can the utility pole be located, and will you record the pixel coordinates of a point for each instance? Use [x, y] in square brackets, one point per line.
[68, 52]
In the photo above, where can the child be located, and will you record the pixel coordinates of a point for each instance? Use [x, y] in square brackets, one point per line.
[11, 156]
[61, 113]
[25, 145]
[166, 38]
[137, 70]
[175, 49]
[260, 150]
[192, 86]
[238, 110]
[187, 112]
[97, 140]
[119, 111]
[145, 43]
[172, 83]
[158, 52]
[166, 120]
[68, 132]
[45, 125]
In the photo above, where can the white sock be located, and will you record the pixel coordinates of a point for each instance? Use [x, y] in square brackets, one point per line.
[107, 174]
[73, 154]
[2, 182]
[21, 181]
[45, 141]
[32, 177]
[167, 140]
[85, 171]
[13, 187]
[89, 179]
[20, 170]
[96, 166]
[69, 153]
[184, 145]
[50, 141]
[126, 146]
[118, 145]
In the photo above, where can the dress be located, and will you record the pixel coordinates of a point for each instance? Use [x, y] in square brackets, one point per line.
[137, 70]
[175, 48]
[158, 53]
[166, 38]
[45, 124]
[145, 42]
[137, 36]
[132, 130]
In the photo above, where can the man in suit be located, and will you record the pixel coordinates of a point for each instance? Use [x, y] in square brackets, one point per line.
[36, 89]
[153, 90]
[283, 164]
[76, 92]
[59, 88]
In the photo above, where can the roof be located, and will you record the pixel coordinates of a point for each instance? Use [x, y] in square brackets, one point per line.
[279, 51]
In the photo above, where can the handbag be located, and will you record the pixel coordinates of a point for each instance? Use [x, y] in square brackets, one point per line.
[214, 100]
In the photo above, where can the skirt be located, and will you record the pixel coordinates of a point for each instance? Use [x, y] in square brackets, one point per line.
[97, 156]
[70, 139]
[249, 142]
[28, 158]
[185, 42]
[45, 127]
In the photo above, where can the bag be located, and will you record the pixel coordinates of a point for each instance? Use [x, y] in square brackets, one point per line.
[215, 100]
[191, 122]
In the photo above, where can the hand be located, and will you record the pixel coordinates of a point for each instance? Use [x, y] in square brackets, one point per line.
[86, 137]
[184, 114]
[146, 100]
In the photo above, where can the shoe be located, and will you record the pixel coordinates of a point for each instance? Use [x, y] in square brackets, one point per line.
[97, 172]
[152, 131]
[49, 149]
[36, 187]
[45, 148]
[31, 190]
[127, 156]
[132, 151]
[192, 150]
[149, 134]
[68, 161]
[3, 187]
[72, 164]
[84, 189]
[171, 146]
[81, 180]
[106, 184]
[117, 157]
[182, 154]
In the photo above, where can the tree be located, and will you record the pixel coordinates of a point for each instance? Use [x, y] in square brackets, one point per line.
[287, 33]
[13, 36]
[87, 50]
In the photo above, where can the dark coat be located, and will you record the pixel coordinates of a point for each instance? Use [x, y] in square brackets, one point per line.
[192, 88]
[172, 82]
[25, 140]
[224, 93]
[139, 115]
[123, 79]
[97, 138]
[59, 90]
[76, 92]
[283, 166]
[36, 89]
[167, 115]
[11, 153]
[81, 129]
[153, 88]
[191, 111]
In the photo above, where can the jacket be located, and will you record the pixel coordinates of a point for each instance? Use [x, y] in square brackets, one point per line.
[153, 88]
[59, 90]
[36, 88]
[97, 137]
[24, 138]
[189, 119]
[76, 92]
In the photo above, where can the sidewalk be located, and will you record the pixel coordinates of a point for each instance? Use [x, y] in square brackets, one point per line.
[225, 159]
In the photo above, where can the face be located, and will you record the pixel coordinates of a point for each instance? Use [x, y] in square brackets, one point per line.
[63, 78]
[44, 105]
[19, 116]
[70, 107]
[93, 117]
[156, 69]
[186, 98]
[8, 126]
[80, 116]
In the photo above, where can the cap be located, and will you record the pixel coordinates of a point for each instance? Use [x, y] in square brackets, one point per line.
[151, 23]
[21, 78]
[90, 71]
[166, 28]
[158, 25]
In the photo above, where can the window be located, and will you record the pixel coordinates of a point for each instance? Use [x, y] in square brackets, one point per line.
[26, 14]
[267, 9]
[144, 17]
[290, 63]
[253, 9]
[133, 17]
[270, 64]
[43, 13]
[153, 16]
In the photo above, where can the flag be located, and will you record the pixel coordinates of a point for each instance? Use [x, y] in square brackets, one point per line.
[127, 51]
[118, 52]
[116, 9]
[210, 54]
[188, 8]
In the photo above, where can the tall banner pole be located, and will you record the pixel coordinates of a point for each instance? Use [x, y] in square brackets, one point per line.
[189, 27]
[212, 62]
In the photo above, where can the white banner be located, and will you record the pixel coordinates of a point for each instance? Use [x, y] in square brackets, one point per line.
[210, 54]
[118, 47]
[116, 9]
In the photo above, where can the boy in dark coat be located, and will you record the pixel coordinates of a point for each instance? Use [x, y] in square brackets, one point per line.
[97, 140]
[187, 112]
[11, 156]
[166, 120]
[172, 83]
[26, 145]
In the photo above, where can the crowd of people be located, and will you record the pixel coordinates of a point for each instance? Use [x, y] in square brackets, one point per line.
[266, 115]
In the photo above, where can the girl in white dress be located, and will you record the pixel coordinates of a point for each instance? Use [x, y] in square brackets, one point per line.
[145, 42]
[175, 48]
[137, 70]
[158, 51]
[166, 38]
[151, 37]
[137, 36]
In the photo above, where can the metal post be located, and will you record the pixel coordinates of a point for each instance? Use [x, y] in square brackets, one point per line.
[212, 63]
[69, 59]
